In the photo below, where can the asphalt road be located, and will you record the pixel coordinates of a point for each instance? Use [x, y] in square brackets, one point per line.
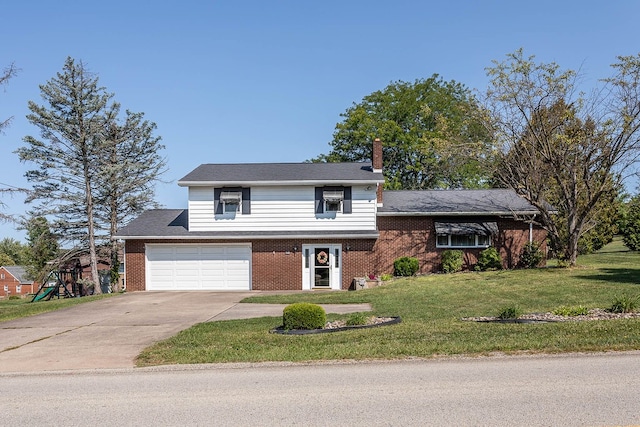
[568, 390]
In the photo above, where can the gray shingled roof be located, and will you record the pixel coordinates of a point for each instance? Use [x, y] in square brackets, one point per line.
[283, 173]
[19, 273]
[455, 202]
[172, 224]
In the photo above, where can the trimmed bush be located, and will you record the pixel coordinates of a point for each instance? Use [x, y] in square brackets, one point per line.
[452, 260]
[489, 259]
[303, 315]
[531, 256]
[405, 266]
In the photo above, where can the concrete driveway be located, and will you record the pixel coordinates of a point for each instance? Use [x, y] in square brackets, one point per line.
[110, 333]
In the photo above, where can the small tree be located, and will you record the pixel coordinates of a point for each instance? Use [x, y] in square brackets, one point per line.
[42, 246]
[631, 231]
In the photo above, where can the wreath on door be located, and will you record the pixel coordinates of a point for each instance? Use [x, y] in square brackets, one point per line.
[322, 257]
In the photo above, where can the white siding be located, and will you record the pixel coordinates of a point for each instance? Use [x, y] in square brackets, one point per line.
[286, 208]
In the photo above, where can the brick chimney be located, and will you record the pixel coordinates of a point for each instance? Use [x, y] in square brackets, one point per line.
[377, 155]
[376, 162]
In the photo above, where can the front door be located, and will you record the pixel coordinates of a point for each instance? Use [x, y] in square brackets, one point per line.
[322, 266]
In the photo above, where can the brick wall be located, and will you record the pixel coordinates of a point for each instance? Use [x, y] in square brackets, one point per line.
[276, 266]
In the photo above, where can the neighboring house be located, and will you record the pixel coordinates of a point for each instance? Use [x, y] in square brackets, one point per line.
[304, 226]
[14, 281]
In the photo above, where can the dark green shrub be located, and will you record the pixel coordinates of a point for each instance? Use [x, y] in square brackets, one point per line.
[405, 266]
[531, 256]
[357, 319]
[303, 315]
[489, 259]
[565, 310]
[624, 304]
[452, 260]
[510, 312]
[13, 297]
[631, 230]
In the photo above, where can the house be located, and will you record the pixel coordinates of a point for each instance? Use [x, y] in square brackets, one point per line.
[305, 226]
[14, 281]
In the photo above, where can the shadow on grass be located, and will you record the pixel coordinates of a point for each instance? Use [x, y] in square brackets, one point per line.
[628, 276]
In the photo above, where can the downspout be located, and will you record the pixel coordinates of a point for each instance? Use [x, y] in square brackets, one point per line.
[531, 229]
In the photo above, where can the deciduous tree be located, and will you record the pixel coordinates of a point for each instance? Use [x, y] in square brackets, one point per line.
[130, 168]
[565, 153]
[432, 130]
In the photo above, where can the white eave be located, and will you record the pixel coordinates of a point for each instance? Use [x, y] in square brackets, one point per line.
[248, 236]
[503, 213]
[277, 183]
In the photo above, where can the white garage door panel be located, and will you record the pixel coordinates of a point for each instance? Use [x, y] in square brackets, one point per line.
[198, 267]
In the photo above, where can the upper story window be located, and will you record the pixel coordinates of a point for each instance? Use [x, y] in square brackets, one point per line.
[232, 201]
[333, 199]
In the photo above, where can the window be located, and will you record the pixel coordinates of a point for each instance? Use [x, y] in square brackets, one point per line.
[333, 200]
[232, 201]
[465, 234]
[462, 241]
[18, 289]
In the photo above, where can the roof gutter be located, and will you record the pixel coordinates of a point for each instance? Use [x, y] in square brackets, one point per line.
[325, 236]
[497, 213]
[279, 183]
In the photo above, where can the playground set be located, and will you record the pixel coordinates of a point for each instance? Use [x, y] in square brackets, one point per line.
[62, 284]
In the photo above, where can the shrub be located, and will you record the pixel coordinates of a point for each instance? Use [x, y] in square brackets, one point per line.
[405, 266]
[510, 312]
[631, 230]
[624, 304]
[489, 259]
[451, 260]
[357, 319]
[565, 310]
[386, 276]
[303, 315]
[531, 256]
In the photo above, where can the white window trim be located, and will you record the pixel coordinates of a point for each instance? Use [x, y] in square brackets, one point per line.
[332, 197]
[449, 245]
[231, 198]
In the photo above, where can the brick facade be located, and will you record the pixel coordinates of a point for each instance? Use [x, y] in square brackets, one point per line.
[13, 285]
[276, 266]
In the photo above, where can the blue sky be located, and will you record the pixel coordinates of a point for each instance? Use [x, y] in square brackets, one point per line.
[266, 81]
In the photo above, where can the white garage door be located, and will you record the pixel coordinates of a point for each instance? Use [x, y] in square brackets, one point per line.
[198, 267]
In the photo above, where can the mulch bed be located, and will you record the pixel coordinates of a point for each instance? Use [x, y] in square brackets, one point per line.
[340, 325]
[594, 314]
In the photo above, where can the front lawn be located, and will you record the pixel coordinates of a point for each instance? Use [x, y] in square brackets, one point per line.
[16, 308]
[431, 308]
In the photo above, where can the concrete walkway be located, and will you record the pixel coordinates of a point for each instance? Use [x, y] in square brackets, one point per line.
[110, 333]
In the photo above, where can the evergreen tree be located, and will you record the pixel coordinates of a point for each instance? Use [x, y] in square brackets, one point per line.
[42, 247]
[68, 154]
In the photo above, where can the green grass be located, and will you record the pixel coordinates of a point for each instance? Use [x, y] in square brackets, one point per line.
[431, 308]
[17, 308]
